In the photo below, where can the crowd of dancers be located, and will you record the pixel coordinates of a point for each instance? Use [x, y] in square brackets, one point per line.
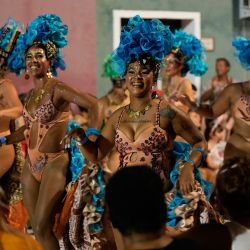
[139, 168]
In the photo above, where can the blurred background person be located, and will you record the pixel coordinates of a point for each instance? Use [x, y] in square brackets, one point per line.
[116, 98]
[214, 87]
[178, 63]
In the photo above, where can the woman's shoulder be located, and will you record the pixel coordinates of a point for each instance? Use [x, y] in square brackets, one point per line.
[5, 81]
[163, 103]
[104, 101]
[55, 82]
[186, 86]
[116, 114]
[6, 84]
[167, 108]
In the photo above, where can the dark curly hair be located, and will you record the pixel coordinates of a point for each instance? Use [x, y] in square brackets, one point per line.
[233, 187]
[135, 199]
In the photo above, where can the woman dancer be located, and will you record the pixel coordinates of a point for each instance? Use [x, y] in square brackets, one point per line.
[46, 114]
[140, 135]
[10, 105]
[186, 56]
[12, 156]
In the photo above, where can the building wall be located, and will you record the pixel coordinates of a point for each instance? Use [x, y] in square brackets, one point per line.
[91, 33]
[219, 19]
[80, 54]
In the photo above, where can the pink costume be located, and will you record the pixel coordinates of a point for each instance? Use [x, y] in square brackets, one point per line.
[241, 108]
[46, 116]
[150, 148]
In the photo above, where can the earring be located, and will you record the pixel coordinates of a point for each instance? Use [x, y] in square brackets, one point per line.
[26, 76]
[49, 74]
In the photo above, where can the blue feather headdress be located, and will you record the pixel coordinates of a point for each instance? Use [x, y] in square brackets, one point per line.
[140, 38]
[192, 50]
[9, 35]
[48, 30]
[242, 51]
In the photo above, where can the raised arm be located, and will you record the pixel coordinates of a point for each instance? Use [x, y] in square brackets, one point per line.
[96, 151]
[209, 90]
[14, 106]
[184, 127]
[220, 106]
[186, 88]
[65, 93]
[14, 137]
[207, 94]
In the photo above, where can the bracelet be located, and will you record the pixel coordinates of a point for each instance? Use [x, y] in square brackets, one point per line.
[202, 155]
[180, 166]
[191, 161]
[3, 140]
[199, 150]
[92, 131]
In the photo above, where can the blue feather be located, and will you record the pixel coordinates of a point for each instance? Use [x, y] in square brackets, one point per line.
[141, 37]
[43, 28]
[242, 51]
[193, 50]
[5, 39]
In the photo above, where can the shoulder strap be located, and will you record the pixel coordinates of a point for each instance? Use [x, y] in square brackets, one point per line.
[120, 117]
[157, 116]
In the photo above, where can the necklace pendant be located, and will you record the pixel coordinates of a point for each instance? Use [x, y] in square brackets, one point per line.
[39, 96]
[137, 114]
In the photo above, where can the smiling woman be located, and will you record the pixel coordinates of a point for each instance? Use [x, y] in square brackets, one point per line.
[46, 114]
[139, 133]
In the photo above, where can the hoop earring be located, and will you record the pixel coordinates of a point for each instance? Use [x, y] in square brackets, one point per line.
[49, 74]
[26, 76]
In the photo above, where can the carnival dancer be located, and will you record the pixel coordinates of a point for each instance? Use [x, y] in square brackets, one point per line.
[12, 156]
[187, 56]
[46, 114]
[139, 133]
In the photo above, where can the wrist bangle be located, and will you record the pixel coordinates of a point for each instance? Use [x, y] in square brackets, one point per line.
[3, 140]
[201, 151]
[191, 161]
[92, 131]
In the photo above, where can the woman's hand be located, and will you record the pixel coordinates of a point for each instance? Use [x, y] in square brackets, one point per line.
[186, 179]
[78, 134]
[185, 100]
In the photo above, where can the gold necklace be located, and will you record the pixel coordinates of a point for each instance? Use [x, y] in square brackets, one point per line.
[38, 97]
[137, 114]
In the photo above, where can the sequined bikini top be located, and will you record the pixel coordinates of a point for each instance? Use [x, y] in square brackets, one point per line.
[149, 148]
